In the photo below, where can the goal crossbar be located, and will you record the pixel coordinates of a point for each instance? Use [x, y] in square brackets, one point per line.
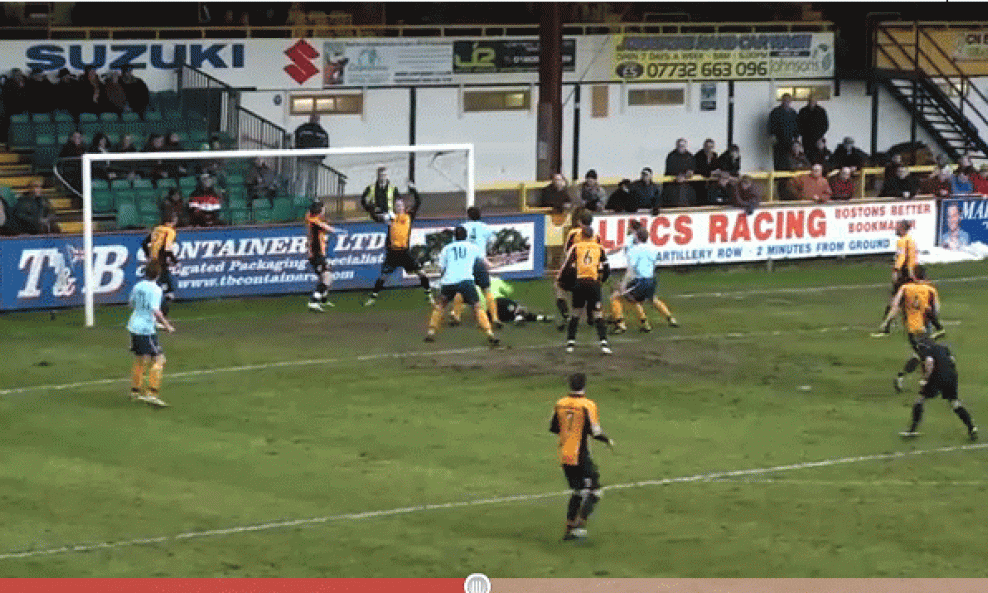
[87, 181]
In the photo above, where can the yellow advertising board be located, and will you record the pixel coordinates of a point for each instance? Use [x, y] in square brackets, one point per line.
[723, 56]
[939, 49]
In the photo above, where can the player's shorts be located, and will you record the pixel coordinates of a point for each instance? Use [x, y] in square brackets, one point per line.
[583, 475]
[399, 258]
[914, 338]
[506, 309]
[318, 263]
[481, 275]
[567, 279]
[466, 288]
[142, 345]
[641, 290]
[901, 277]
[586, 293]
[945, 387]
[166, 281]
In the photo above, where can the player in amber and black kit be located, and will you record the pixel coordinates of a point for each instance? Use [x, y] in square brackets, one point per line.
[158, 248]
[316, 229]
[589, 261]
[939, 378]
[574, 419]
[397, 252]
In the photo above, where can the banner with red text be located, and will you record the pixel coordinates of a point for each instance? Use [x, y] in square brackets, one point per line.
[776, 232]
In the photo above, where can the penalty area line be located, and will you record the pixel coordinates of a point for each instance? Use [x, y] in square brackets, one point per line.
[424, 353]
[310, 522]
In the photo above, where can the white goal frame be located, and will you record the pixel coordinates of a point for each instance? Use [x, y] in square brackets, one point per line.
[87, 182]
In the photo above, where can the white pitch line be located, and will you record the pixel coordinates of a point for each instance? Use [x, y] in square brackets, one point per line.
[707, 477]
[806, 289]
[421, 353]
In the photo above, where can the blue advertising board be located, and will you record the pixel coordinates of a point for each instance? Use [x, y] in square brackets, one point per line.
[47, 272]
[963, 223]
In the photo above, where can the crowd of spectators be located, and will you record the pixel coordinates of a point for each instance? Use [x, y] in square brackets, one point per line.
[116, 91]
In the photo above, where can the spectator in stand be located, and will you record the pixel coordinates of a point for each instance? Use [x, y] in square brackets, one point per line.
[65, 90]
[730, 160]
[592, 195]
[136, 91]
[555, 195]
[706, 161]
[812, 187]
[847, 155]
[821, 155]
[681, 165]
[645, 193]
[15, 93]
[33, 213]
[69, 161]
[891, 168]
[721, 191]
[813, 124]
[101, 145]
[842, 185]
[39, 92]
[902, 186]
[116, 96]
[173, 143]
[121, 168]
[204, 203]
[937, 184]
[980, 181]
[261, 181]
[6, 218]
[783, 128]
[960, 182]
[174, 205]
[621, 200]
[310, 135]
[746, 195]
[154, 170]
[74, 146]
[797, 158]
[92, 95]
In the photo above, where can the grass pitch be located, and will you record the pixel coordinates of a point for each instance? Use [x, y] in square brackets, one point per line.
[341, 445]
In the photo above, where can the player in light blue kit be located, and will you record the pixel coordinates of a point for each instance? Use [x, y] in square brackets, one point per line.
[457, 261]
[638, 285]
[145, 299]
[480, 234]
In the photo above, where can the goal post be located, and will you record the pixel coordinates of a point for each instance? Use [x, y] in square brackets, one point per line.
[446, 169]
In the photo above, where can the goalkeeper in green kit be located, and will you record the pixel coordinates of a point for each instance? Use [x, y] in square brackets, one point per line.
[508, 310]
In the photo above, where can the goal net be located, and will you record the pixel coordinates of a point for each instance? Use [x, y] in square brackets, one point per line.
[122, 191]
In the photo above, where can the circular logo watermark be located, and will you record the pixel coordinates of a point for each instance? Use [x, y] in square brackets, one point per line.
[477, 583]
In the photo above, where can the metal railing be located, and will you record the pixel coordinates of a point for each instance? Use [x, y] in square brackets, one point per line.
[864, 179]
[313, 29]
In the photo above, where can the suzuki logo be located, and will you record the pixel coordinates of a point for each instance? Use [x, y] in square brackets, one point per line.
[301, 54]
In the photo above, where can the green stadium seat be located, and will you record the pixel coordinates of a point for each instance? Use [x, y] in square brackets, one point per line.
[147, 203]
[89, 124]
[167, 183]
[102, 201]
[126, 196]
[64, 124]
[7, 195]
[127, 216]
[100, 184]
[187, 184]
[150, 220]
[45, 151]
[239, 217]
[21, 133]
[37, 118]
[120, 184]
[281, 209]
[141, 183]
[261, 211]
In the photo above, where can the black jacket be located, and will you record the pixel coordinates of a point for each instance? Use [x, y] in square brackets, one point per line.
[311, 135]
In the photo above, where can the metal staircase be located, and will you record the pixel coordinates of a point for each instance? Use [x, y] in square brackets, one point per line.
[927, 82]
